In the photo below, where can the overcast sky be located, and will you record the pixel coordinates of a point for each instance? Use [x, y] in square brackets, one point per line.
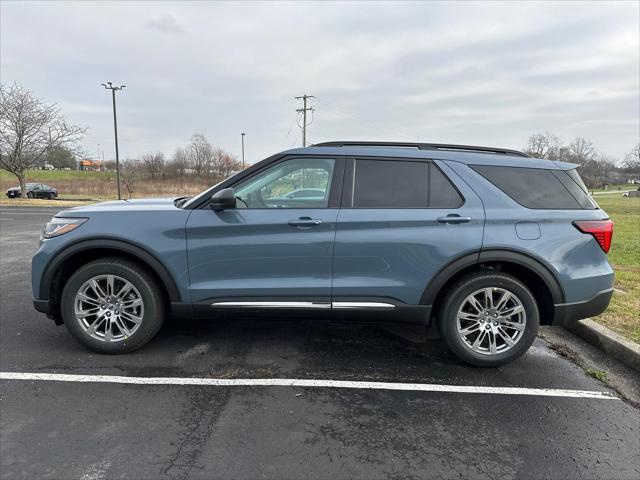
[476, 73]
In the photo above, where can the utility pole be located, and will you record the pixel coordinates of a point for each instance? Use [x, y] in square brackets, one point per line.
[243, 150]
[109, 86]
[304, 111]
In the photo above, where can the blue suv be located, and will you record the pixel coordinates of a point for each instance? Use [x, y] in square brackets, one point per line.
[488, 243]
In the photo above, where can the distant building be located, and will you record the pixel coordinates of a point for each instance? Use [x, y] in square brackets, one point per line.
[90, 165]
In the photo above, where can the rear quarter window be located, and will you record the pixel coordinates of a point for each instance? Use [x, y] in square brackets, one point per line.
[537, 188]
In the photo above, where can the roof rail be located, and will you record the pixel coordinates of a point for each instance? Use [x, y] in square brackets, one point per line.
[425, 146]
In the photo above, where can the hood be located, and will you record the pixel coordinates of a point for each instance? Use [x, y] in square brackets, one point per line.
[122, 206]
[13, 188]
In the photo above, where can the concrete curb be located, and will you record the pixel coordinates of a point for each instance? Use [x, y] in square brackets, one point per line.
[609, 342]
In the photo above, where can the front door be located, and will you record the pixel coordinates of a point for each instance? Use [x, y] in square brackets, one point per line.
[275, 248]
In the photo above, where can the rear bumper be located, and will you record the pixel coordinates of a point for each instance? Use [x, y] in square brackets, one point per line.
[569, 313]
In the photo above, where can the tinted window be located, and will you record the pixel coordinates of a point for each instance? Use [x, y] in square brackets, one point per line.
[441, 193]
[278, 186]
[531, 187]
[401, 184]
[576, 186]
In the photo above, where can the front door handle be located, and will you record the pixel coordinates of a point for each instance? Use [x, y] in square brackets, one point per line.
[454, 218]
[305, 222]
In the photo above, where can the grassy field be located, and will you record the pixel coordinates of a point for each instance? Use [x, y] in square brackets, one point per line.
[614, 188]
[102, 185]
[623, 314]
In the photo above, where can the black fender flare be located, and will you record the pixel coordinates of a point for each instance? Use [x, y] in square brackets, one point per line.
[112, 244]
[493, 255]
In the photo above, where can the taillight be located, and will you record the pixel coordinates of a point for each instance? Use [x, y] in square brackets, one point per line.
[602, 231]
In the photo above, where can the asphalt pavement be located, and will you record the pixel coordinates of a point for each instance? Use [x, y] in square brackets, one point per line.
[98, 429]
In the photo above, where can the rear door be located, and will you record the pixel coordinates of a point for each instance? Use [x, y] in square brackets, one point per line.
[402, 220]
[271, 251]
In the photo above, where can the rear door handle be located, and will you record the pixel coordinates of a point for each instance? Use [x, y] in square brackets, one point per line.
[305, 222]
[454, 218]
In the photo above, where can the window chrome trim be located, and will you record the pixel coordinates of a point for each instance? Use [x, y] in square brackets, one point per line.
[363, 305]
[336, 305]
[273, 304]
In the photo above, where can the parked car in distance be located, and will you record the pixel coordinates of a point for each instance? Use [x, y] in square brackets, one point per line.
[34, 190]
[306, 193]
[488, 243]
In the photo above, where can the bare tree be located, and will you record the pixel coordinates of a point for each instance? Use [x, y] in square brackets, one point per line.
[200, 154]
[606, 165]
[179, 165]
[129, 174]
[224, 164]
[153, 164]
[632, 159]
[28, 129]
[582, 150]
[544, 145]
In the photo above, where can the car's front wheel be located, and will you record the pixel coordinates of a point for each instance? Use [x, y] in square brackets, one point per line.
[52, 196]
[112, 305]
[489, 318]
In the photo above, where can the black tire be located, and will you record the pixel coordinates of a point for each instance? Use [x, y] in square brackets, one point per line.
[31, 194]
[448, 324]
[150, 291]
[52, 196]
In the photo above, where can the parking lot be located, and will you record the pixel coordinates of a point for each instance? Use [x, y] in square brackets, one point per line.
[516, 423]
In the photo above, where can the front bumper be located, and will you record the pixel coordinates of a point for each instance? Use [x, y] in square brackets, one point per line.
[42, 306]
[569, 313]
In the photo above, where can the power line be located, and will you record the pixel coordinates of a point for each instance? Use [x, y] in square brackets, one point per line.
[304, 111]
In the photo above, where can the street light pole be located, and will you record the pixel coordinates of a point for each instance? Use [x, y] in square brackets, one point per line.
[109, 86]
[243, 151]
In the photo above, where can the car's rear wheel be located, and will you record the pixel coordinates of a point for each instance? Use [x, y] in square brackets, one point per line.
[31, 194]
[489, 318]
[112, 305]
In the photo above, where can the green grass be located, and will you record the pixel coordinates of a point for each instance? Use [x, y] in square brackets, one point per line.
[599, 374]
[614, 188]
[623, 314]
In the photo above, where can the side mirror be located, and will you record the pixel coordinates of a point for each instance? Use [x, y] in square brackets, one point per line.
[223, 200]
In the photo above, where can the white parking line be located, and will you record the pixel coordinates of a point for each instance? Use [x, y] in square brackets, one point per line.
[292, 382]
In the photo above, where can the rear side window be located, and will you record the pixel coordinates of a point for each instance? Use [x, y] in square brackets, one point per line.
[576, 187]
[537, 188]
[402, 184]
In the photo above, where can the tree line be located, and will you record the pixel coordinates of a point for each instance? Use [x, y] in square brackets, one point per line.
[33, 132]
[199, 159]
[597, 169]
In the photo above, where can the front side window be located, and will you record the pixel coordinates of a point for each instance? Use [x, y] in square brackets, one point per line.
[296, 183]
[402, 184]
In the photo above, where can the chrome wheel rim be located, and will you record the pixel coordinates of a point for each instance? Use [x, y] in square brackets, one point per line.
[109, 308]
[491, 321]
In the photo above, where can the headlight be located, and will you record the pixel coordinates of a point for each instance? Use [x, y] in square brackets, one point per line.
[59, 226]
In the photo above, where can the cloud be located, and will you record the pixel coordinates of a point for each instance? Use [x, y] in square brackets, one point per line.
[166, 23]
[478, 73]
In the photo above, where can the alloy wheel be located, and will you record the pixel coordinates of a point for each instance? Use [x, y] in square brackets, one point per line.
[491, 321]
[109, 308]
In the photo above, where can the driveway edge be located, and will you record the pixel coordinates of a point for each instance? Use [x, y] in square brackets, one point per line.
[609, 342]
